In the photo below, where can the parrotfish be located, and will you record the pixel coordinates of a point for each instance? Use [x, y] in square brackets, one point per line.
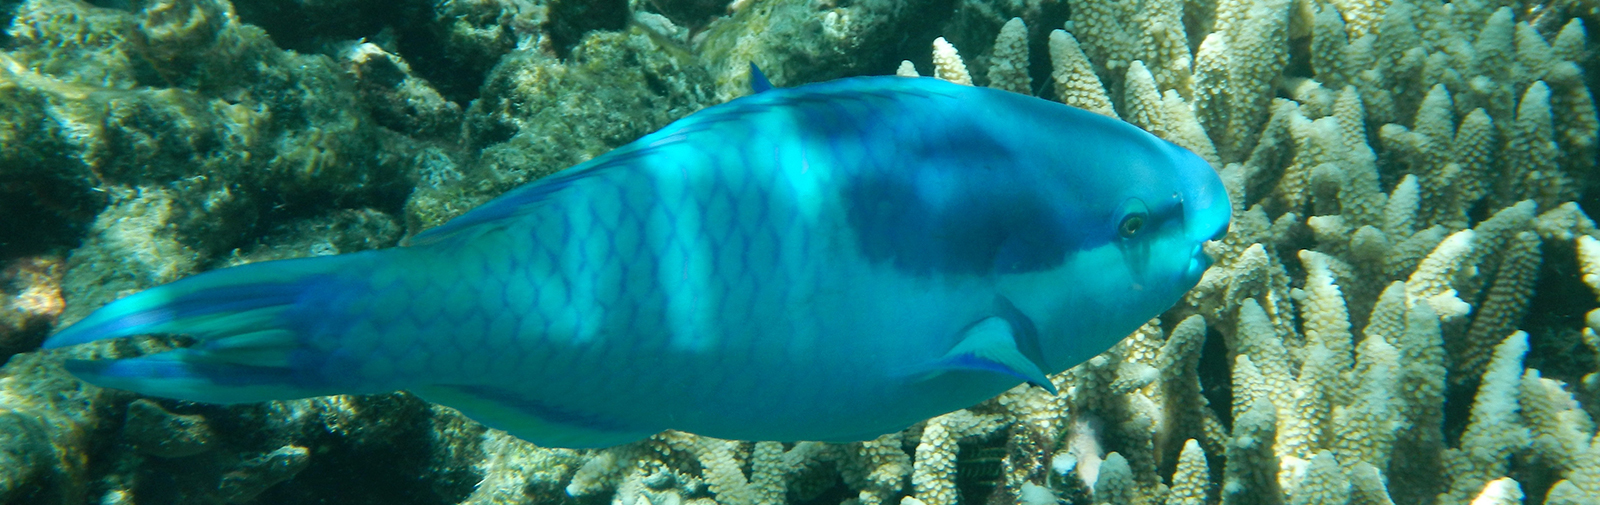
[830, 262]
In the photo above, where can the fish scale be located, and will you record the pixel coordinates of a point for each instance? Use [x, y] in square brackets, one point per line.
[827, 262]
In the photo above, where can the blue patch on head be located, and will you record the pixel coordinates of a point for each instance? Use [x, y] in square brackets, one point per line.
[964, 216]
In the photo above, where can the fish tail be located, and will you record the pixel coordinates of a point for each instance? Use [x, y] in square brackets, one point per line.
[249, 323]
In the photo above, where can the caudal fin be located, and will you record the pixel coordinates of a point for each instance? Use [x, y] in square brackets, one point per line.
[249, 322]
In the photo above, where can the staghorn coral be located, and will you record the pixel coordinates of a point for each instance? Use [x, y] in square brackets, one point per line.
[1404, 175]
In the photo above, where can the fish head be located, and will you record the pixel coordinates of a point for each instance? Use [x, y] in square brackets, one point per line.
[1135, 211]
[1171, 203]
[1085, 226]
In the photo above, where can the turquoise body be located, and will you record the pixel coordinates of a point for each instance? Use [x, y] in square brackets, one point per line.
[827, 262]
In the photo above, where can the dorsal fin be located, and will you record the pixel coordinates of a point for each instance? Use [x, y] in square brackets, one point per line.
[513, 203]
[758, 80]
[523, 199]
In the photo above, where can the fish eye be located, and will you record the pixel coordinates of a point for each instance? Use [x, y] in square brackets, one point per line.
[1130, 225]
[1135, 215]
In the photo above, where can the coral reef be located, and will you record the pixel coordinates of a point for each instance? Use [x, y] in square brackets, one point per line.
[1404, 311]
[30, 302]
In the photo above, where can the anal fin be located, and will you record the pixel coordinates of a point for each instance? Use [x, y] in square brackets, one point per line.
[530, 420]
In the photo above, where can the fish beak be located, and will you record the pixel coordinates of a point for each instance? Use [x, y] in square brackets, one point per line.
[1199, 261]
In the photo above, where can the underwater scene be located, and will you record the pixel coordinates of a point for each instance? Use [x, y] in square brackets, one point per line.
[1274, 252]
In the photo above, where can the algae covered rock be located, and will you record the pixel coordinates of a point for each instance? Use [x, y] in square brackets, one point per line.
[539, 114]
[191, 130]
[30, 302]
[397, 98]
[800, 41]
[155, 431]
[145, 141]
[257, 474]
[48, 426]
[49, 196]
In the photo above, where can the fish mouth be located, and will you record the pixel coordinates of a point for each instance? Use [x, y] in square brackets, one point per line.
[1199, 261]
[1207, 227]
[1208, 224]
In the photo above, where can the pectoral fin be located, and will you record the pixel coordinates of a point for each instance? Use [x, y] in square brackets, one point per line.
[990, 345]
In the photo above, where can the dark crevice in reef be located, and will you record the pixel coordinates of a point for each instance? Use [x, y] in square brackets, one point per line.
[913, 41]
[42, 215]
[1560, 303]
[310, 28]
[692, 14]
[8, 10]
[1216, 376]
[405, 27]
[383, 465]
[571, 19]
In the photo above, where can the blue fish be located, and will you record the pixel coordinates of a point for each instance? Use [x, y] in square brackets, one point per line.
[828, 262]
